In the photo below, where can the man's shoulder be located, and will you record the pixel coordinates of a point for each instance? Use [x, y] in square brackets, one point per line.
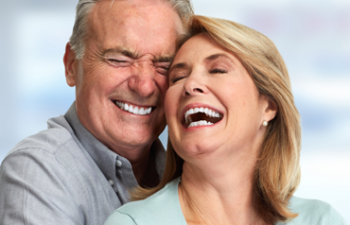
[48, 152]
[50, 140]
[312, 211]
[50, 175]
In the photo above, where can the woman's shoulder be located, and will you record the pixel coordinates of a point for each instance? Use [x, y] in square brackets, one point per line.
[314, 212]
[163, 207]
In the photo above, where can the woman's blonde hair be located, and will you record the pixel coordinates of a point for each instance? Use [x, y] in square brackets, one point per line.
[277, 173]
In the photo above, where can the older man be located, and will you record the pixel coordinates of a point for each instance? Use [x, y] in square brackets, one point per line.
[81, 168]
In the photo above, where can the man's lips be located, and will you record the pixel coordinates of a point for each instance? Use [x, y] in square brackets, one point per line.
[134, 109]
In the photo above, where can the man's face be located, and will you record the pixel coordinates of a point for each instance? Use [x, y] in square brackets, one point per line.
[127, 53]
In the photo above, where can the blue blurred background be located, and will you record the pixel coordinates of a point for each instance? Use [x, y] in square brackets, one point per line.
[312, 36]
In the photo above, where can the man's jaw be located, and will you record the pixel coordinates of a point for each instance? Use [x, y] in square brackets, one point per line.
[134, 109]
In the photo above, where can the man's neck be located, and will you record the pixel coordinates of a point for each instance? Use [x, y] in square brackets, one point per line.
[145, 170]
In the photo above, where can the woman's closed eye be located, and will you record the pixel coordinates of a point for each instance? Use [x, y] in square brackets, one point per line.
[176, 76]
[217, 70]
[176, 79]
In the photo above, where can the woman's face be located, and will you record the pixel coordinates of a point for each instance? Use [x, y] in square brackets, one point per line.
[212, 104]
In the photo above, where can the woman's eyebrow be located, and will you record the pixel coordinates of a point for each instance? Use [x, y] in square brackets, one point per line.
[180, 65]
[165, 58]
[216, 56]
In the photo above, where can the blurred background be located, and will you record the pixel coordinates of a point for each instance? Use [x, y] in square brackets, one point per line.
[312, 36]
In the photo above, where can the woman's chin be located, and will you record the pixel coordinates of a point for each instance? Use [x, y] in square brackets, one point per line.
[191, 150]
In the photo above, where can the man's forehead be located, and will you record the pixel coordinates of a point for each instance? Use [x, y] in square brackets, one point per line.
[137, 32]
[114, 13]
[106, 6]
[134, 2]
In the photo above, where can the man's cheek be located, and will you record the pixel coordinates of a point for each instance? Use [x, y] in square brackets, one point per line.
[163, 85]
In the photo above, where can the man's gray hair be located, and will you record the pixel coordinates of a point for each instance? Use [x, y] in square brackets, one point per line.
[183, 8]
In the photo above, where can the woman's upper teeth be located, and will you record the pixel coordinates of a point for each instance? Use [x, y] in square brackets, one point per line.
[207, 111]
[134, 109]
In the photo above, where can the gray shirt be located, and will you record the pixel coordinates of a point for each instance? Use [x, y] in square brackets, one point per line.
[64, 175]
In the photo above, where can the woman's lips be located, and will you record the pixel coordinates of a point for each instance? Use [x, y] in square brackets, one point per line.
[195, 115]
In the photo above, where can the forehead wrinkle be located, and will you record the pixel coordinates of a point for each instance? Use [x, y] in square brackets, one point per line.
[217, 56]
[134, 55]
[122, 50]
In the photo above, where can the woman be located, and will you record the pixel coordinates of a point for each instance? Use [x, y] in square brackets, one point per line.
[234, 137]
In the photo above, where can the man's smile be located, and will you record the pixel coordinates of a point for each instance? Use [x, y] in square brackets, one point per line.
[137, 110]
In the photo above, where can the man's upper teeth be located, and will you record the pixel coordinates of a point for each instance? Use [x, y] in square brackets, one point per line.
[207, 111]
[134, 109]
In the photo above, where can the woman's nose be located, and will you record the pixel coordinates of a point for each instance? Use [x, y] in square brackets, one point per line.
[194, 85]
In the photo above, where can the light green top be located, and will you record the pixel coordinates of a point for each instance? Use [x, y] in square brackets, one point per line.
[164, 208]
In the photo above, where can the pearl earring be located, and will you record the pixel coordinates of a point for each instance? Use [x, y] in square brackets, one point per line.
[265, 123]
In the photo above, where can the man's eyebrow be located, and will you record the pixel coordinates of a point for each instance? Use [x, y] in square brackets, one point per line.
[177, 66]
[125, 51]
[134, 55]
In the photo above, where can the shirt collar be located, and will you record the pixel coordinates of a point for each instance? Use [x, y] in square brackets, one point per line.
[103, 156]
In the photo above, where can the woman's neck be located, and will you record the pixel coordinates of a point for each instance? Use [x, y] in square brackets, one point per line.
[219, 191]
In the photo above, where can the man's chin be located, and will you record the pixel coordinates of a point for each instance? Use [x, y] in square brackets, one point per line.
[135, 138]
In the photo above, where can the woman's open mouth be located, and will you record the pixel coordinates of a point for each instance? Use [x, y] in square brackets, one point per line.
[200, 116]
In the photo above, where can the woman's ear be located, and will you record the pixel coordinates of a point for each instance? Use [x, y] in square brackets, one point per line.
[70, 62]
[270, 109]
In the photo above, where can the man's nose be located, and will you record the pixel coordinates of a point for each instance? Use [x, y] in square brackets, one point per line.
[142, 80]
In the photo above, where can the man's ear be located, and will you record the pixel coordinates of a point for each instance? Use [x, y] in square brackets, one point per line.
[70, 64]
[271, 109]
